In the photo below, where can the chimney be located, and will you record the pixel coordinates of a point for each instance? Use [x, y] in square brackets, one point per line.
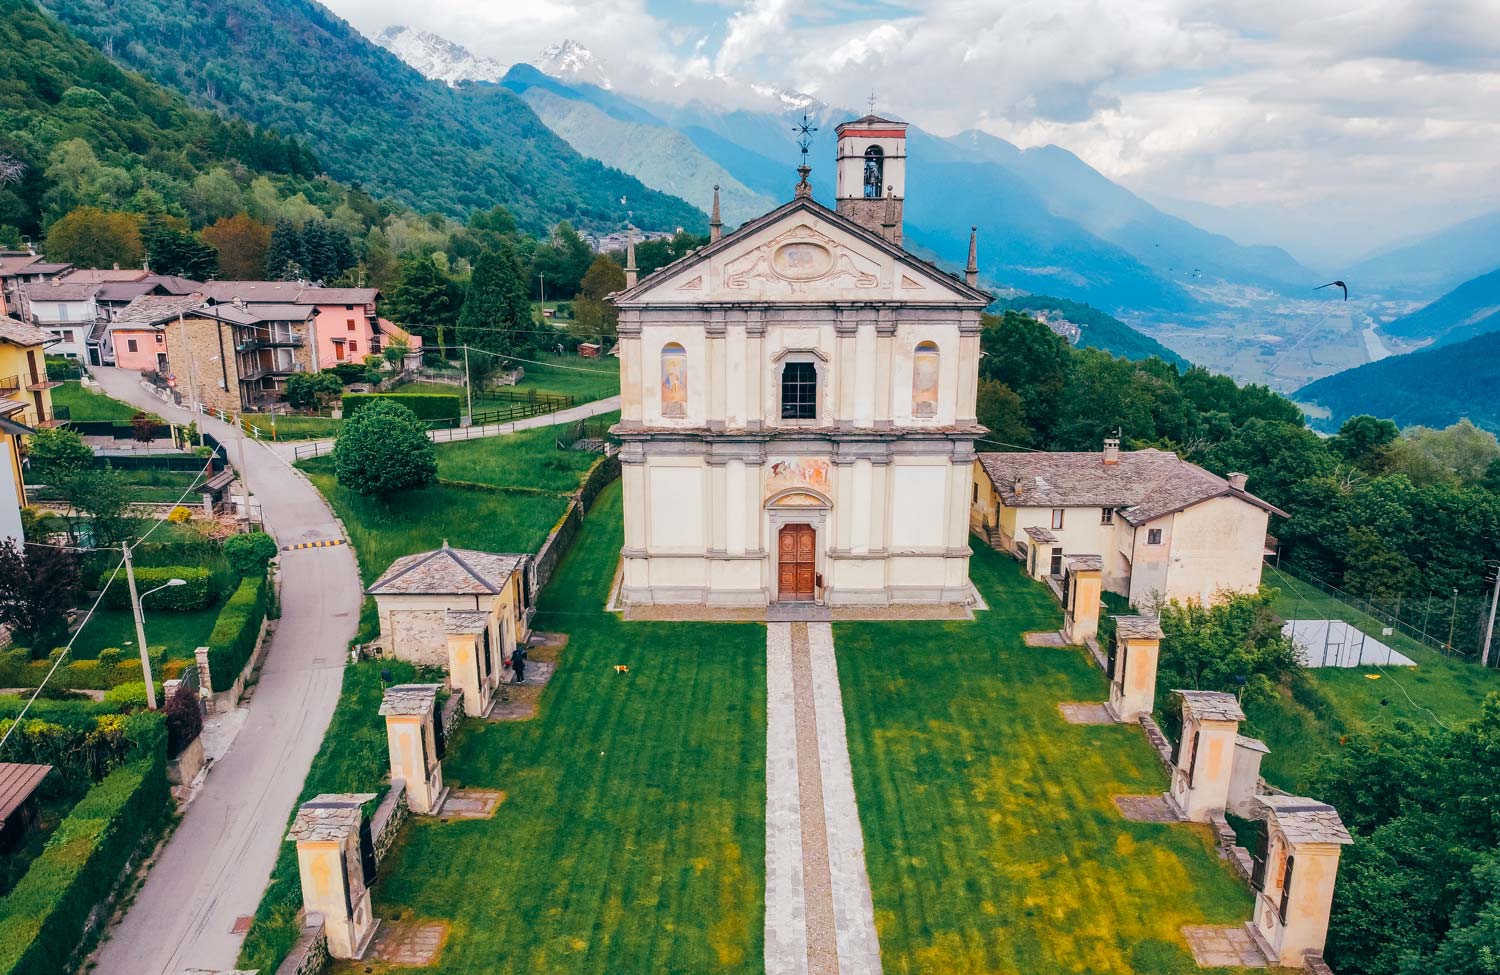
[1111, 450]
[715, 225]
[630, 268]
[1237, 481]
[971, 271]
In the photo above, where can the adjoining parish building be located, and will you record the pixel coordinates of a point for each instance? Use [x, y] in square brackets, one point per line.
[1165, 529]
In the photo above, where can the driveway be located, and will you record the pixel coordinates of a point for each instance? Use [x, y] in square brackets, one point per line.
[216, 865]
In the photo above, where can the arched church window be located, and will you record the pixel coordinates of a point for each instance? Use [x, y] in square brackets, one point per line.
[924, 379]
[874, 172]
[674, 380]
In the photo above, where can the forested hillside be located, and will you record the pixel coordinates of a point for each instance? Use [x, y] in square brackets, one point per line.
[1096, 329]
[1471, 309]
[86, 133]
[1431, 387]
[295, 66]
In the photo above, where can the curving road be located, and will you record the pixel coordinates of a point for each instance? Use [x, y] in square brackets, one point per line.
[217, 863]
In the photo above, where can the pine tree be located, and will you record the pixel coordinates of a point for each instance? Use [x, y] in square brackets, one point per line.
[173, 251]
[496, 316]
[317, 245]
[285, 259]
[424, 300]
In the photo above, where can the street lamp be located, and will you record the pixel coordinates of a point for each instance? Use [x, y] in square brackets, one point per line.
[140, 622]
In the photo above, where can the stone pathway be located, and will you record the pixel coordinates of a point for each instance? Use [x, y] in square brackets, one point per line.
[819, 916]
[1047, 638]
[1146, 809]
[470, 804]
[518, 702]
[1214, 947]
[411, 944]
[1080, 712]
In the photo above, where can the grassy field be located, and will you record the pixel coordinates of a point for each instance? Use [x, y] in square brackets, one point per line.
[292, 427]
[567, 375]
[632, 835]
[528, 459]
[991, 838]
[179, 633]
[84, 404]
[1336, 701]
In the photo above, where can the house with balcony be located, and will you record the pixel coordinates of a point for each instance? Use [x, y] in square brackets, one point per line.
[23, 374]
[115, 297]
[1164, 529]
[66, 309]
[248, 350]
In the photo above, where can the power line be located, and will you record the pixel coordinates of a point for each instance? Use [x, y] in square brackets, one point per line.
[502, 355]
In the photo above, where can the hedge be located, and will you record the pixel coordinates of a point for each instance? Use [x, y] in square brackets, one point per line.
[17, 669]
[441, 407]
[198, 592]
[42, 920]
[82, 745]
[234, 635]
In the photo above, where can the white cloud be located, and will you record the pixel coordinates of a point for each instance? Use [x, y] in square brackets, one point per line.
[1373, 110]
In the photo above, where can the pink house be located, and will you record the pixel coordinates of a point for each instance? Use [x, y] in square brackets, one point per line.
[343, 323]
[142, 329]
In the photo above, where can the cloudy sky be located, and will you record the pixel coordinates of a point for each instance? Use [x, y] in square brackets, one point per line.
[1328, 126]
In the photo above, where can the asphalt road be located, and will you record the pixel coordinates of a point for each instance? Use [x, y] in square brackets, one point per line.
[217, 863]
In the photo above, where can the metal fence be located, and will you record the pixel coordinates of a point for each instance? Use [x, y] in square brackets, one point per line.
[1452, 623]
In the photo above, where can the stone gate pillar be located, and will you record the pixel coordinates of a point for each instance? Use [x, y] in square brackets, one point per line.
[336, 863]
[1083, 580]
[473, 662]
[1132, 666]
[1294, 876]
[414, 734]
[1204, 760]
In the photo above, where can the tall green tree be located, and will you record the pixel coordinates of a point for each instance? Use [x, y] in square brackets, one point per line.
[563, 261]
[424, 301]
[496, 315]
[1032, 360]
[90, 237]
[173, 251]
[286, 260]
[593, 317]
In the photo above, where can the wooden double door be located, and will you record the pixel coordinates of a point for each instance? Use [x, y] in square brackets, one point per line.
[797, 557]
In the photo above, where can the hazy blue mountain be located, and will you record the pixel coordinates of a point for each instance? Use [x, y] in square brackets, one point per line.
[1473, 308]
[1096, 330]
[1431, 387]
[1169, 245]
[1433, 264]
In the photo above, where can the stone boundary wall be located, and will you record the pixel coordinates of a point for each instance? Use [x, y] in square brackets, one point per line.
[310, 954]
[389, 817]
[453, 712]
[604, 470]
[224, 701]
[1158, 740]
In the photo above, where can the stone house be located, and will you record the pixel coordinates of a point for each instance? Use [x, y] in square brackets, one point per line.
[422, 598]
[798, 405]
[1164, 529]
[141, 334]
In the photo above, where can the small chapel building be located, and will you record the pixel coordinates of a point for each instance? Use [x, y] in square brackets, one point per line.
[798, 405]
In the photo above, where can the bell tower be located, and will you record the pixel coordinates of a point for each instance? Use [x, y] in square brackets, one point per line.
[871, 181]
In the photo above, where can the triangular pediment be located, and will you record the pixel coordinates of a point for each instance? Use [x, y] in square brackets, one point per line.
[800, 252]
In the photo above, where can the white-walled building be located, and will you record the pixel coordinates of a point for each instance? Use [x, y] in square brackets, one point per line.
[1164, 528]
[798, 406]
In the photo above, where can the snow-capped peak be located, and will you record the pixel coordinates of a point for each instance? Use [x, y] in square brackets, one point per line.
[786, 97]
[437, 57]
[571, 61]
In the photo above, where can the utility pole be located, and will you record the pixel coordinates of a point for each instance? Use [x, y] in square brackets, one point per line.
[239, 443]
[140, 628]
[468, 384]
[192, 377]
[1452, 618]
[1489, 633]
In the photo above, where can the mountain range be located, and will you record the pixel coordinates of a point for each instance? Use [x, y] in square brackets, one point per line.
[1056, 225]
[296, 67]
[1433, 263]
[1471, 309]
[1432, 387]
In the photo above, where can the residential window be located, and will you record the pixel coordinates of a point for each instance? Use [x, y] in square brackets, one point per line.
[353, 346]
[1106, 516]
[161, 338]
[799, 391]
[1057, 517]
[1153, 536]
[130, 345]
[67, 335]
[350, 323]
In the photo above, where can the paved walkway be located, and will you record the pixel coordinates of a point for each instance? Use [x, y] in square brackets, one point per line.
[290, 450]
[217, 863]
[819, 915]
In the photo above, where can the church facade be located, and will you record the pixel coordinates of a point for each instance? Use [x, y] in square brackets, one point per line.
[798, 406]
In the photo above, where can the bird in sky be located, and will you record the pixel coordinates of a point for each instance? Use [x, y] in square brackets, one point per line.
[1335, 284]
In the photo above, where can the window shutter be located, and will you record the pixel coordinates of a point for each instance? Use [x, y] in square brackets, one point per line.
[1192, 759]
[1286, 887]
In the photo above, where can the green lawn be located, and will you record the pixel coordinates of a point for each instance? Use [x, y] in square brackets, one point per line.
[84, 404]
[585, 380]
[528, 459]
[632, 836]
[179, 633]
[292, 427]
[991, 838]
[1337, 701]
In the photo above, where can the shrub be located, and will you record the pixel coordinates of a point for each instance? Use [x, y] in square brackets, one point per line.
[82, 740]
[441, 407]
[43, 918]
[250, 553]
[110, 656]
[234, 635]
[179, 514]
[383, 449]
[131, 694]
[184, 720]
[197, 593]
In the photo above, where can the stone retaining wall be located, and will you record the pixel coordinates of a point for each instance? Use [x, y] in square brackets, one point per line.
[604, 470]
[385, 824]
[453, 712]
[310, 954]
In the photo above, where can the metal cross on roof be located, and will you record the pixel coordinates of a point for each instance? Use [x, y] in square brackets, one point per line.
[804, 130]
[871, 100]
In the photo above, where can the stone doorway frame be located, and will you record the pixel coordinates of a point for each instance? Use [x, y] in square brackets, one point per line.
[779, 516]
